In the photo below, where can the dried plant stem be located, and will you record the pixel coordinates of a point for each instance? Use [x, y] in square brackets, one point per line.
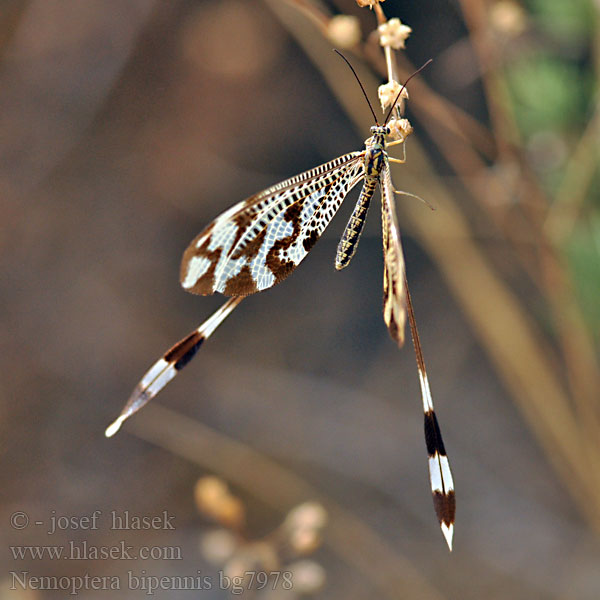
[390, 57]
[277, 487]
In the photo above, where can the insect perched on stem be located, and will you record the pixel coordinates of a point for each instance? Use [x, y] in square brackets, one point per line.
[260, 241]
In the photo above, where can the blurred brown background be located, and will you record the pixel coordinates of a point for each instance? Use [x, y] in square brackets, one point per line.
[125, 127]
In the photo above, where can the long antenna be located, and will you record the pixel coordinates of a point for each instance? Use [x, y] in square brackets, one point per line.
[402, 88]
[361, 85]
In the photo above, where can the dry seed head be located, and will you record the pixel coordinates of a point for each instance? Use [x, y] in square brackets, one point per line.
[213, 498]
[388, 92]
[344, 31]
[369, 3]
[209, 491]
[393, 34]
[400, 129]
[310, 515]
[302, 527]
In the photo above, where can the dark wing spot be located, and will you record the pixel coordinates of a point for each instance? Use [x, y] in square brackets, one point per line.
[184, 350]
[293, 213]
[185, 359]
[433, 435]
[280, 268]
[242, 284]
[445, 506]
[310, 240]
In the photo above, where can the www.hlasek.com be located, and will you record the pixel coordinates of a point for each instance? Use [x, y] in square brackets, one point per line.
[85, 551]
[73, 585]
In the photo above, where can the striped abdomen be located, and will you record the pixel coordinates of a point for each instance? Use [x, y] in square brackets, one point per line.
[349, 240]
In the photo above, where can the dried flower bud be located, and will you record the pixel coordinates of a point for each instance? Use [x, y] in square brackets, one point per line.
[400, 129]
[393, 34]
[208, 492]
[369, 3]
[310, 515]
[344, 31]
[308, 577]
[388, 92]
[302, 527]
[213, 499]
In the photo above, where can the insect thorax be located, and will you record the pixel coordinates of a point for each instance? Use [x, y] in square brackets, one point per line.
[375, 151]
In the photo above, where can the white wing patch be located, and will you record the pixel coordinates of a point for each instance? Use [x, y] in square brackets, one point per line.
[197, 267]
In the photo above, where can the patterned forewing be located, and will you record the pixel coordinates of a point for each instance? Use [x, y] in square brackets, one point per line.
[394, 294]
[260, 241]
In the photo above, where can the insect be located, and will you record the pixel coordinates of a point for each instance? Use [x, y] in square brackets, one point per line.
[260, 241]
